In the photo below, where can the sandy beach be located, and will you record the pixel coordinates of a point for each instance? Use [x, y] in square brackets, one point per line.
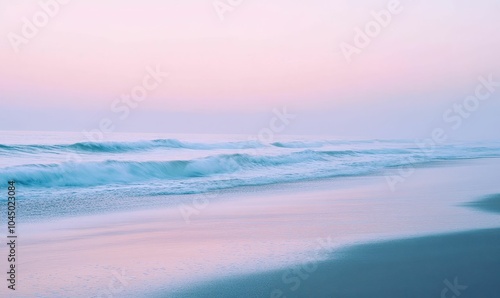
[341, 233]
[249, 149]
[463, 264]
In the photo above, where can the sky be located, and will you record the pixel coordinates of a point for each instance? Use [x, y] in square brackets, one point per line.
[367, 68]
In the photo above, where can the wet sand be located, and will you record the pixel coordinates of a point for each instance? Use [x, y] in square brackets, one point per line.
[462, 264]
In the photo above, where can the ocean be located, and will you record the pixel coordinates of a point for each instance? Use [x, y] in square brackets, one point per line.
[62, 174]
[178, 215]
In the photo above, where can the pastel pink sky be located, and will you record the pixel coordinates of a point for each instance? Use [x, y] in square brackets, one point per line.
[264, 54]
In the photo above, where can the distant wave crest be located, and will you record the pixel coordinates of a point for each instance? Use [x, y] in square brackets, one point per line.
[121, 147]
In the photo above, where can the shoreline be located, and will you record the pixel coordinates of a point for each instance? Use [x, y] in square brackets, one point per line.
[240, 234]
[415, 267]
[419, 266]
[148, 203]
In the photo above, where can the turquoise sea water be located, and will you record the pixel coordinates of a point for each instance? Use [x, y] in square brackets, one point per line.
[57, 168]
